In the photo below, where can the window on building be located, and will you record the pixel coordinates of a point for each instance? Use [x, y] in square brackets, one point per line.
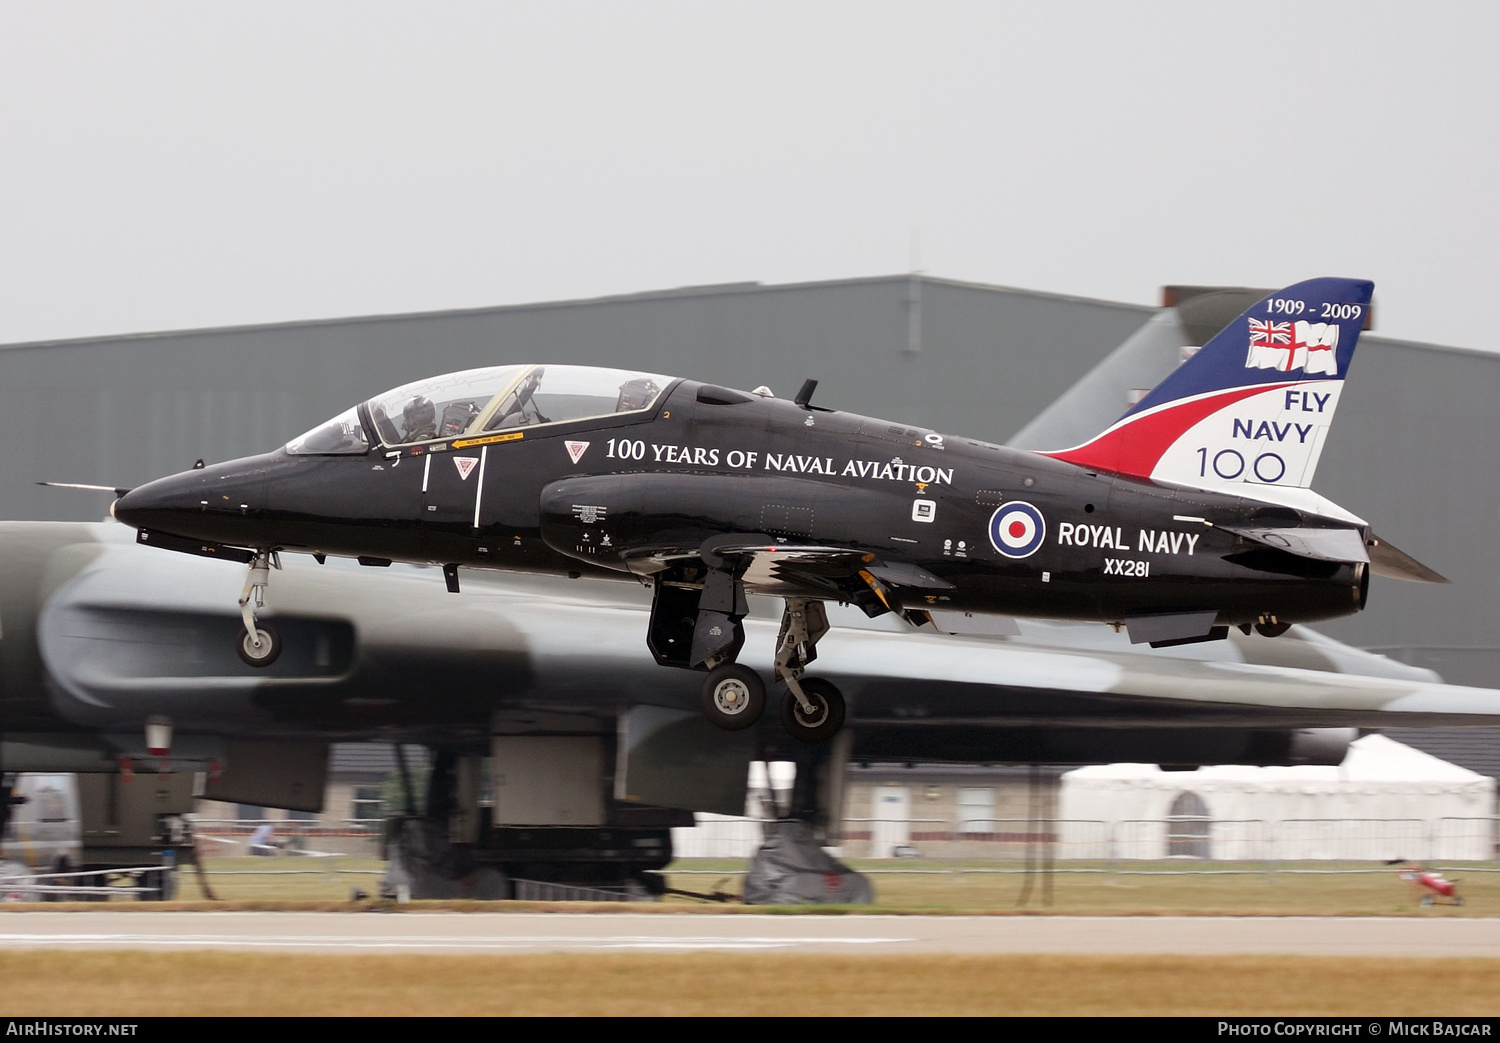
[976, 809]
[367, 803]
[1188, 827]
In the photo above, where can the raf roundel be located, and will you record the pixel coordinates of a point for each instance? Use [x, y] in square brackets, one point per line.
[1017, 529]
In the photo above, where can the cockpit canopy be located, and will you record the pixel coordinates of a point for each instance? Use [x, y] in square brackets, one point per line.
[478, 401]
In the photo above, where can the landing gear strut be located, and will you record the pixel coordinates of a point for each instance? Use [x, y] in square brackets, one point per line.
[813, 710]
[697, 628]
[259, 645]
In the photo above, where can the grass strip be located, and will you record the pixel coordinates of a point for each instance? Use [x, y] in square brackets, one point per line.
[126, 984]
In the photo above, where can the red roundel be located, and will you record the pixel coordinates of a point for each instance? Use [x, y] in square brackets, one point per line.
[1017, 529]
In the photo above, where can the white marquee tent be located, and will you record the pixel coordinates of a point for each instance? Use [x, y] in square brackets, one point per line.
[1386, 800]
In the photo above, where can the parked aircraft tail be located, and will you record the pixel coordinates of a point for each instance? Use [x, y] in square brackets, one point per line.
[1253, 406]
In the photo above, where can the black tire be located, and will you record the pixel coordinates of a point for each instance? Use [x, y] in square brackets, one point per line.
[263, 655]
[827, 717]
[733, 697]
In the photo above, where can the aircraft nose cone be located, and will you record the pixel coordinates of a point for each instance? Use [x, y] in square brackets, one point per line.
[168, 504]
[220, 504]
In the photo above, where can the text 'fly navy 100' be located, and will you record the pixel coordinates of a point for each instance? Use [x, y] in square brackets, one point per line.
[1190, 514]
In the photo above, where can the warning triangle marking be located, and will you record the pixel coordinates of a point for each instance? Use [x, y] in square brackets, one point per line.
[575, 450]
[465, 464]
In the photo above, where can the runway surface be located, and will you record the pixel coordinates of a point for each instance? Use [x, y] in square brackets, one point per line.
[567, 932]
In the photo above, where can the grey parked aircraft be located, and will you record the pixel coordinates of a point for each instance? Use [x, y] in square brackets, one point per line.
[111, 651]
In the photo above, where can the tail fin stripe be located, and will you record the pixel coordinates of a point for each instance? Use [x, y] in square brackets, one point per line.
[1133, 445]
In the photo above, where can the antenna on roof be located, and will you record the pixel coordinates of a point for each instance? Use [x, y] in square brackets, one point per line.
[805, 395]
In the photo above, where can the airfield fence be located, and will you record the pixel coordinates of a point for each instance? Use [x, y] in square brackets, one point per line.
[975, 848]
[1127, 846]
[1188, 843]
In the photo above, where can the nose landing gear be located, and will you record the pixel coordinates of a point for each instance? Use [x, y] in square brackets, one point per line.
[818, 715]
[259, 645]
[813, 710]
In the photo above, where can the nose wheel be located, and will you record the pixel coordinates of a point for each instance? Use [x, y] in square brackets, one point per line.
[818, 715]
[262, 649]
[813, 710]
[733, 696]
[259, 645]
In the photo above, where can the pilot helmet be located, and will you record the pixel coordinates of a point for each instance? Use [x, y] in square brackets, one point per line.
[420, 418]
[636, 394]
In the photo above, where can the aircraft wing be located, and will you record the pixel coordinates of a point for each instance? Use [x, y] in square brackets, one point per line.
[773, 567]
[1019, 683]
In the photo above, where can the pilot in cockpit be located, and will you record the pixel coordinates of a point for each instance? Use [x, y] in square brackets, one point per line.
[420, 419]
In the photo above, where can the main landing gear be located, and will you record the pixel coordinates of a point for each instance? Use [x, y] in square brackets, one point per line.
[259, 645]
[703, 630]
[734, 696]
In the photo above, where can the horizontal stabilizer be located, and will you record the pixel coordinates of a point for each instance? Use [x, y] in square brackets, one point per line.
[1387, 560]
[1318, 544]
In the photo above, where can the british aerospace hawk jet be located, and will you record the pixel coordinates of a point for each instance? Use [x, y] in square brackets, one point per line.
[1190, 514]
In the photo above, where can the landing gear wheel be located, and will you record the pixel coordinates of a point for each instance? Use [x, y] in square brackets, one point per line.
[733, 697]
[1272, 629]
[826, 718]
[261, 652]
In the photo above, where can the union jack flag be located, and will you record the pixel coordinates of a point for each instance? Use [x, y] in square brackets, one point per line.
[1265, 334]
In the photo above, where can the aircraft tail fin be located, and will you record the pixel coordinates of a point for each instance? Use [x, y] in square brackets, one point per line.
[1253, 406]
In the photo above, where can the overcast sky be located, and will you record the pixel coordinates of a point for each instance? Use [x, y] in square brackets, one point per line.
[173, 165]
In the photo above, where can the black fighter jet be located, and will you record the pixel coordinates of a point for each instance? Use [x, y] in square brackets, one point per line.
[1189, 515]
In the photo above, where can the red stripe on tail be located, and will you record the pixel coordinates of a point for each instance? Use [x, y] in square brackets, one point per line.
[1135, 446]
